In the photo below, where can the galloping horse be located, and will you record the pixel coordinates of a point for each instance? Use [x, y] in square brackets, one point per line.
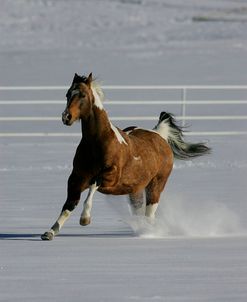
[114, 161]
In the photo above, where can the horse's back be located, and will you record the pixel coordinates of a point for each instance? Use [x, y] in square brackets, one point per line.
[150, 138]
[151, 147]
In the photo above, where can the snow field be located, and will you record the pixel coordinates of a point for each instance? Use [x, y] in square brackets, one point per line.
[196, 251]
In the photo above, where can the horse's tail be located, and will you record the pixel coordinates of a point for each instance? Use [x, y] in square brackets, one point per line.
[173, 134]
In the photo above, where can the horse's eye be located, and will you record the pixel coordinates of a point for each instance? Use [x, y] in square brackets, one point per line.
[82, 95]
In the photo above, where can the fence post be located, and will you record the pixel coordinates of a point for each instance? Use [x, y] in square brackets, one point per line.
[184, 96]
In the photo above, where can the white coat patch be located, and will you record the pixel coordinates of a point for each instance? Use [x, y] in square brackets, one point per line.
[137, 157]
[118, 135]
[163, 129]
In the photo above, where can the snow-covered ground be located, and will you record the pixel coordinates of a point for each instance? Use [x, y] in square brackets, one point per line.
[123, 41]
[195, 252]
[197, 249]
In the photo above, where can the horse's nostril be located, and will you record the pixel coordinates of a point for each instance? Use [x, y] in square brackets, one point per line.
[68, 116]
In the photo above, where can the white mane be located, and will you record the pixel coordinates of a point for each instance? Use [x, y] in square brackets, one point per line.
[98, 99]
[98, 94]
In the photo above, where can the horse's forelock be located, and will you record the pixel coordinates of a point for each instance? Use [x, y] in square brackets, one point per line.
[76, 80]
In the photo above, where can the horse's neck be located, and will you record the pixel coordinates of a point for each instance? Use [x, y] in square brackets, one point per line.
[97, 124]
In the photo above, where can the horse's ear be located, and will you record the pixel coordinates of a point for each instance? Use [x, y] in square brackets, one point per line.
[89, 79]
[75, 78]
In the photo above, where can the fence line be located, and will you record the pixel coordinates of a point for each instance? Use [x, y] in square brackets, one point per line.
[77, 134]
[123, 118]
[128, 102]
[134, 87]
[184, 102]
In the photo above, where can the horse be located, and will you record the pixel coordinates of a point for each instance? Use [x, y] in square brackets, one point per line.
[133, 161]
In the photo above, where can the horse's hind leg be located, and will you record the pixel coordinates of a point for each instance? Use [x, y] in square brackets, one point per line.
[153, 191]
[74, 192]
[137, 203]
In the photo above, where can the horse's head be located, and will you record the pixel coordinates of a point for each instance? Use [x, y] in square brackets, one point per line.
[79, 100]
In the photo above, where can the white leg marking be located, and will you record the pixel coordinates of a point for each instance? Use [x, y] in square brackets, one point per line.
[63, 217]
[60, 222]
[88, 203]
[151, 209]
[57, 226]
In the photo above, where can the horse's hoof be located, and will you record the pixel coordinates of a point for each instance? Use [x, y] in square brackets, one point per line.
[47, 236]
[85, 221]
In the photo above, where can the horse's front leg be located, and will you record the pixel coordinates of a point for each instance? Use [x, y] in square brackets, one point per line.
[85, 218]
[108, 177]
[75, 187]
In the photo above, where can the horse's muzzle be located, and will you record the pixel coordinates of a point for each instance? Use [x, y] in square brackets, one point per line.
[66, 118]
